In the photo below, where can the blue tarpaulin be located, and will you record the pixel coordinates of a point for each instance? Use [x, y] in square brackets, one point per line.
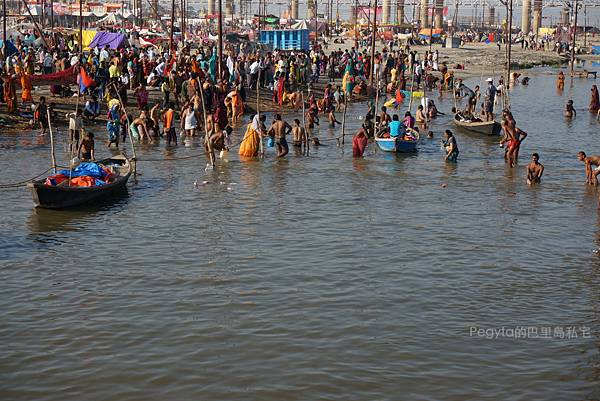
[595, 49]
[10, 47]
[85, 169]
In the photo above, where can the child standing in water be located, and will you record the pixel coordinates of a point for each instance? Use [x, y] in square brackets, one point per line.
[570, 110]
[86, 148]
[332, 119]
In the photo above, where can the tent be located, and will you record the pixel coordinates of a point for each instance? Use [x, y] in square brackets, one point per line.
[311, 25]
[11, 49]
[87, 36]
[111, 19]
[545, 30]
[113, 40]
[425, 32]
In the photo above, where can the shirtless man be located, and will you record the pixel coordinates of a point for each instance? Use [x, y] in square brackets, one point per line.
[535, 169]
[86, 148]
[217, 141]
[298, 134]
[279, 129]
[384, 117]
[311, 120]
[592, 167]
[420, 117]
[511, 137]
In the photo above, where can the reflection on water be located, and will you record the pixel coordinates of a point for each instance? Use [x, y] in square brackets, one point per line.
[48, 220]
[319, 277]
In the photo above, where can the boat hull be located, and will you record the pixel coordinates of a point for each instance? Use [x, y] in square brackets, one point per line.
[397, 145]
[483, 128]
[57, 197]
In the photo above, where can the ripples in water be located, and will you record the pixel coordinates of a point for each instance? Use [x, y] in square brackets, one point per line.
[311, 278]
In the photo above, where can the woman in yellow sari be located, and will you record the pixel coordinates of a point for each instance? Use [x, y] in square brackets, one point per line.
[251, 143]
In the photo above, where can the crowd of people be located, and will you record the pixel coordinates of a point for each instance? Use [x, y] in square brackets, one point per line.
[203, 94]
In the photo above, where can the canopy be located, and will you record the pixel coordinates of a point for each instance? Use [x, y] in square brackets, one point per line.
[87, 37]
[311, 25]
[546, 30]
[436, 32]
[111, 19]
[113, 40]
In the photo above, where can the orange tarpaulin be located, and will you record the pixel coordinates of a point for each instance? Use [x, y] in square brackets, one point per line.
[429, 31]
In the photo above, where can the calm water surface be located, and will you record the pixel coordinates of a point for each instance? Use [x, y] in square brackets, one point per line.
[320, 277]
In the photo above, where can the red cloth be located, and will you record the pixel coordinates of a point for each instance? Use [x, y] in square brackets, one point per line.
[359, 144]
[66, 77]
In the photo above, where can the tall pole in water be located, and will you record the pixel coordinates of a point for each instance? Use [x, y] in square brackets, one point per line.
[172, 27]
[373, 43]
[509, 54]
[356, 25]
[220, 33]
[585, 25]
[52, 15]
[4, 45]
[575, 7]
[81, 26]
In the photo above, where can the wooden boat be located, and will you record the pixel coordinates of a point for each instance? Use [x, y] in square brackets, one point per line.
[479, 127]
[398, 144]
[63, 196]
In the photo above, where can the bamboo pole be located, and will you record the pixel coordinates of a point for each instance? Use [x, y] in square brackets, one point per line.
[172, 28]
[52, 154]
[220, 42]
[206, 136]
[377, 103]
[261, 148]
[4, 46]
[575, 9]
[373, 43]
[128, 129]
[81, 26]
[304, 123]
[412, 87]
[344, 121]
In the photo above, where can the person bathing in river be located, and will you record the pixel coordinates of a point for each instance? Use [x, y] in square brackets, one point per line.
[432, 110]
[279, 129]
[570, 110]
[450, 146]
[592, 167]
[218, 141]
[359, 142]
[409, 120]
[331, 117]
[298, 134]
[560, 81]
[384, 117]
[534, 170]
[421, 118]
[86, 148]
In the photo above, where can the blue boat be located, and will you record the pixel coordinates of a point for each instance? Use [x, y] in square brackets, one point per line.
[408, 144]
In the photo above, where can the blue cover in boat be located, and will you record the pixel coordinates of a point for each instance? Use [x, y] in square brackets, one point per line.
[89, 169]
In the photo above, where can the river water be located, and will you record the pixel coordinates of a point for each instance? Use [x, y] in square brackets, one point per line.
[320, 277]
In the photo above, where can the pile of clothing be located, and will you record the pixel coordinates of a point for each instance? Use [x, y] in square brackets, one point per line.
[84, 175]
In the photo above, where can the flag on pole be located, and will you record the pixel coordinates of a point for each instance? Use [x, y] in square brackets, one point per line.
[84, 80]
